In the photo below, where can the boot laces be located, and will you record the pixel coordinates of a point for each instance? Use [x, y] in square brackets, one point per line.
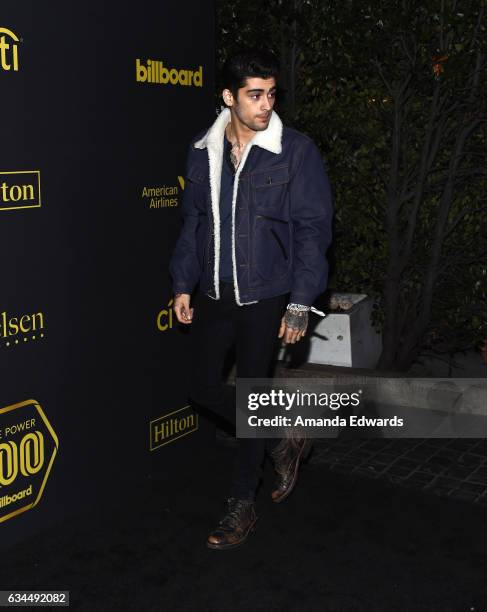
[235, 509]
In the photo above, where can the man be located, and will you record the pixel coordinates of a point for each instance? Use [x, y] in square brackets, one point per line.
[257, 224]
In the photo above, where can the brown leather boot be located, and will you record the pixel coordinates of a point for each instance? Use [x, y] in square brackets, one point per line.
[287, 456]
[235, 526]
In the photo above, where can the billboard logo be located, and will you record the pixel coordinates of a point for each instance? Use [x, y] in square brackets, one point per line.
[155, 72]
[172, 426]
[9, 53]
[28, 446]
[20, 189]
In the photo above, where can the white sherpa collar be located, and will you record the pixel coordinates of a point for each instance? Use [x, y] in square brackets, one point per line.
[269, 139]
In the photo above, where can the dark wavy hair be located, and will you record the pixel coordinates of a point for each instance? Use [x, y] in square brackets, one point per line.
[248, 63]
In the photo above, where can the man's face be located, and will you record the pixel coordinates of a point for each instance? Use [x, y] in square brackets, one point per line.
[254, 103]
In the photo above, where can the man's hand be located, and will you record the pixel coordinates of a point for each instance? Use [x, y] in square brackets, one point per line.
[293, 325]
[181, 307]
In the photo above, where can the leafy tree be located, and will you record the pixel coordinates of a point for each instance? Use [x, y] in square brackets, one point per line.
[394, 93]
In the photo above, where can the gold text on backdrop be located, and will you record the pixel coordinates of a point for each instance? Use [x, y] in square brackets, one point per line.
[9, 52]
[155, 72]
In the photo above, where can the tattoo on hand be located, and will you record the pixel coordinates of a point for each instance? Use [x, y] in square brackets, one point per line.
[296, 319]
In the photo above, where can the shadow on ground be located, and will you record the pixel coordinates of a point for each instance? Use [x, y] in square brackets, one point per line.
[338, 543]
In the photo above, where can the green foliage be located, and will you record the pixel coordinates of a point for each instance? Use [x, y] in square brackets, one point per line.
[394, 94]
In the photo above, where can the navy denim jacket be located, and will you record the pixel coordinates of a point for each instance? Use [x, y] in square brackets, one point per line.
[281, 217]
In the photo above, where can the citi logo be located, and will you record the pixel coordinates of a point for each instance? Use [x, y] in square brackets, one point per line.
[9, 52]
[156, 72]
[164, 318]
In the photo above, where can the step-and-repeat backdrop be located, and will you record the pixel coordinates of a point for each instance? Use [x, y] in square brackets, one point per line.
[98, 102]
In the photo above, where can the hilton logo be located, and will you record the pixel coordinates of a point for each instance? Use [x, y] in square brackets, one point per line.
[9, 54]
[172, 426]
[20, 189]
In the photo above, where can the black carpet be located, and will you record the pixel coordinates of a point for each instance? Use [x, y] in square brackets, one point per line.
[338, 543]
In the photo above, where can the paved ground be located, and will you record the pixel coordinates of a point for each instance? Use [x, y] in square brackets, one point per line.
[450, 468]
[454, 468]
[340, 543]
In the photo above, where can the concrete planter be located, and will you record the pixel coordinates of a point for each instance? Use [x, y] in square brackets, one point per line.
[345, 338]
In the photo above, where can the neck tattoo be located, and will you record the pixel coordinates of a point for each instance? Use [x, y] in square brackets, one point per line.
[237, 147]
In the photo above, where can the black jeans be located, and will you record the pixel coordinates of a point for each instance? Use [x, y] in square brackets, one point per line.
[217, 326]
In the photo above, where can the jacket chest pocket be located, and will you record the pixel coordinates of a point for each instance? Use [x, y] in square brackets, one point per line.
[270, 191]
